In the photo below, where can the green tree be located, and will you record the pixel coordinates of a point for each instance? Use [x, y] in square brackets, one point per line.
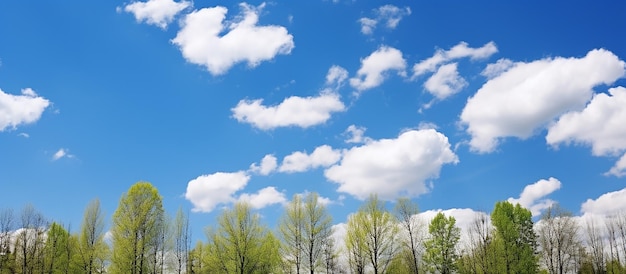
[440, 255]
[92, 250]
[241, 244]
[355, 244]
[137, 223]
[515, 239]
[372, 232]
[29, 241]
[57, 250]
[291, 230]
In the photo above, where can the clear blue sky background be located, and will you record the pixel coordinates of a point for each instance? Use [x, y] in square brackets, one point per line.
[97, 95]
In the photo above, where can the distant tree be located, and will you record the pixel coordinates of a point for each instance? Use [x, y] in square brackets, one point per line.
[559, 239]
[329, 256]
[241, 244]
[355, 244]
[196, 259]
[480, 254]
[92, 250]
[406, 211]
[440, 255]
[515, 239]
[291, 231]
[137, 225]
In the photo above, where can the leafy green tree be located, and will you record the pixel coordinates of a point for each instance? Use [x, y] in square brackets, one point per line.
[372, 232]
[137, 223]
[57, 250]
[241, 244]
[92, 250]
[406, 211]
[304, 228]
[196, 259]
[440, 255]
[515, 239]
[355, 244]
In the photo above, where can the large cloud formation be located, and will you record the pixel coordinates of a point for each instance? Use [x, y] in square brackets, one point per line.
[16, 110]
[528, 96]
[201, 41]
[393, 167]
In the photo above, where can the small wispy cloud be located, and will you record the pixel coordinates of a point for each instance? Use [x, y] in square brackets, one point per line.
[62, 152]
[22, 134]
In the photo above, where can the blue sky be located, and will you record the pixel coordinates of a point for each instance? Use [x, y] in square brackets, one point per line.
[457, 105]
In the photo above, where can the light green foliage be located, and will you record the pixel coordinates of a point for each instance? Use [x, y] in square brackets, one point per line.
[58, 252]
[515, 239]
[304, 228]
[92, 250]
[372, 234]
[241, 245]
[440, 255]
[137, 224]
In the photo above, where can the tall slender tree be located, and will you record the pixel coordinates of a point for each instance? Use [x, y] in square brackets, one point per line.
[558, 234]
[181, 240]
[92, 250]
[7, 256]
[291, 230]
[136, 226]
[406, 212]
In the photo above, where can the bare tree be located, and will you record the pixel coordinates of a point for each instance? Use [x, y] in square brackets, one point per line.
[406, 212]
[559, 240]
[596, 246]
[182, 240]
[479, 252]
[30, 241]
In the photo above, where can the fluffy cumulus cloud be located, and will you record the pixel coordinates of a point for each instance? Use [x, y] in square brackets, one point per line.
[389, 15]
[322, 156]
[205, 39]
[268, 165]
[445, 82]
[16, 110]
[393, 167]
[295, 111]
[532, 196]
[600, 124]
[375, 66]
[606, 205]
[264, 197]
[529, 96]
[208, 191]
[461, 50]
[156, 12]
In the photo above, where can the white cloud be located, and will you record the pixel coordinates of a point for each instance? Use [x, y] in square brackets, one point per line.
[606, 205]
[62, 152]
[445, 82]
[356, 135]
[465, 218]
[532, 197]
[268, 165]
[322, 156]
[23, 134]
[336, 76]
[497, 68]
[208, 191]
[461, 50]
[393, 167]
[156, 12]
[530, 95]
[373, 68]
[619, 169]
[297, 111]
[244, 41]
[367, 25]
[264, 197]
[16, 110]
[599, 124]
[389, 15]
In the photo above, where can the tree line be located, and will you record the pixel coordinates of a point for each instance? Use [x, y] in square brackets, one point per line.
[144, 239]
